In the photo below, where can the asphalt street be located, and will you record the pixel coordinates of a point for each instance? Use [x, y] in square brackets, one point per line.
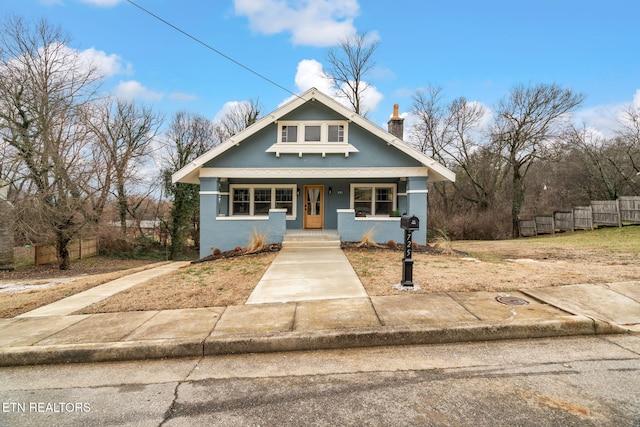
[580, 381]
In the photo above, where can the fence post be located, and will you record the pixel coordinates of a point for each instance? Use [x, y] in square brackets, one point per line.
[618, 213]
[573, 221]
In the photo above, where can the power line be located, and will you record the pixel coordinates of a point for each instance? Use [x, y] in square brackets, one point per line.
[208, 46]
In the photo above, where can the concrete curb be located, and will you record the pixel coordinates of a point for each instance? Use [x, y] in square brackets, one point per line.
[99, 352]
[303, 341]
[406, 335]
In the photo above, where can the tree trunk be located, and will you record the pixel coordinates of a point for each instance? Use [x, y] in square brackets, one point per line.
[517, 201]
[122, 208]
[63, 252]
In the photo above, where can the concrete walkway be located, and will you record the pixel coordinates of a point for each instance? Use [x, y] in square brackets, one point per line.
[309, 273]
[79, 301]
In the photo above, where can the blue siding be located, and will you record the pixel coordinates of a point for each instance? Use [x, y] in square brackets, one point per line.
[417, 205]
[352, 229]
[374, 151]
[313, 111]
[227, 233]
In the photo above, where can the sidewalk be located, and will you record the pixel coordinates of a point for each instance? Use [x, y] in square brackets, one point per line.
[307, 323]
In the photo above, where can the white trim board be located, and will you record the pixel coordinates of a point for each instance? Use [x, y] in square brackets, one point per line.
[294, 173]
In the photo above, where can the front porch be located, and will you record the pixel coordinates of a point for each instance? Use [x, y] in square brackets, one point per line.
[347, 208]
[227, 233]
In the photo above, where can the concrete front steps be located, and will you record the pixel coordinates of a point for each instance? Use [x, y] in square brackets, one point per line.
[311, 239]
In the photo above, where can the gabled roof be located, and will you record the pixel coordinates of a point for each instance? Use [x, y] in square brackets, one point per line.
[190, 173]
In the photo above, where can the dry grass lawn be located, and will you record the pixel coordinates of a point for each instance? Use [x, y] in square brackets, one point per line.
[46, 284]
[600, 256]
[210, 284]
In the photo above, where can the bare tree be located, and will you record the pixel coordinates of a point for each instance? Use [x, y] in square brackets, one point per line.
[526, 122]
[451, 134]
[349, 64]
[592, 175]
[238, 118]
[124, 133]
[42, 85]
[627, 144]
[189, 136]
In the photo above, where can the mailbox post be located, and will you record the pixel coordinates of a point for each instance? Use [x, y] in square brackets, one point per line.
[409, 224]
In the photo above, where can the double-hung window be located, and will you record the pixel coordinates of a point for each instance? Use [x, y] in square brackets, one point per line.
[256, 200]
[335, 133]
[373, 199]
[289, 133]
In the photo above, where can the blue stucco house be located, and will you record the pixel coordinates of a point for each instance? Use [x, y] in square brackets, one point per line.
[311, 164]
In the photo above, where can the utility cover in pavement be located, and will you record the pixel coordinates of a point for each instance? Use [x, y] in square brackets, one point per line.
[507, 300]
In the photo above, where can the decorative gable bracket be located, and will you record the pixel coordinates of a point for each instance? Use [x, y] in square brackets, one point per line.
[302, 149]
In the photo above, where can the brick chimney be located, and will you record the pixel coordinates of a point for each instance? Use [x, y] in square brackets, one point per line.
[396, 123]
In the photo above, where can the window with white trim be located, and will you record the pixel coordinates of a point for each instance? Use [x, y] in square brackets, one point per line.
[313, 132]
[373, 199]
[335, 133]
[289, 133]
[256, 200]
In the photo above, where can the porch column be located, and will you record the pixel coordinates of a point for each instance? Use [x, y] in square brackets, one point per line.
[209, 194]
[417, 205]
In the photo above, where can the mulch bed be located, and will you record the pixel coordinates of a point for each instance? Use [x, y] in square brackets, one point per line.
[238, 252]
[397, 247]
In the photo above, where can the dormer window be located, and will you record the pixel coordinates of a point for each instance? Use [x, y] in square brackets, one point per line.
[313, 137]
[313, 132]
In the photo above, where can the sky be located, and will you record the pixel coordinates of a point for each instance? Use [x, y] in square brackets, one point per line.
[471, 48]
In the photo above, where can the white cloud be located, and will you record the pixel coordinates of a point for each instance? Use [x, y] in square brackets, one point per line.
[84, 60]
[604, 118]
[636, 99]
[487, 117]
[107, 65]
[132, 89]
[310, 73]
[318, 23]
[227, 108]
[371, 98]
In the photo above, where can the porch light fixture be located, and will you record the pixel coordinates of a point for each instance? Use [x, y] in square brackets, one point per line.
[297, 190]
[330, 190]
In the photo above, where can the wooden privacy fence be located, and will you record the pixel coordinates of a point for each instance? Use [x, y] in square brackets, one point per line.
[78, 249]
[625, 210]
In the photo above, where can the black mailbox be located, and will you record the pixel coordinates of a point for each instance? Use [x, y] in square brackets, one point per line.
[409, 222]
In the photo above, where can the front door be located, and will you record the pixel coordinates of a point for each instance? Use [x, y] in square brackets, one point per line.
[313, 206]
